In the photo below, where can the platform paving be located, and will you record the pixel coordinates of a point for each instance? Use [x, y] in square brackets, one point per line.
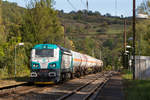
[113, 90]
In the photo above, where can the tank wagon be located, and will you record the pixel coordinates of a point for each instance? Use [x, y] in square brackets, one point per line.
[53, 63]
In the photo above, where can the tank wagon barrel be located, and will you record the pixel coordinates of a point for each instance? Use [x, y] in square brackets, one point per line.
[83, 64]
[51, 62]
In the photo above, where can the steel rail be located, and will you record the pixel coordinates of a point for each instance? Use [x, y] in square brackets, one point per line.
[81, 87]
[14, 86]
[94, 93]
[73, 92]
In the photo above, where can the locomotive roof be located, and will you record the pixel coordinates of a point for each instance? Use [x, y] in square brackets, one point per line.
[64, 49]
[41, 46]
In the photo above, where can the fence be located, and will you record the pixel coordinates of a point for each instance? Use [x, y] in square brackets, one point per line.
[142, 67]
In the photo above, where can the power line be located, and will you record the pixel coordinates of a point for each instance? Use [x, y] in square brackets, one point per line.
[87, 4]
[83, 3]
[145, 5]
[71, 5]
[146, 8]
[115, 7]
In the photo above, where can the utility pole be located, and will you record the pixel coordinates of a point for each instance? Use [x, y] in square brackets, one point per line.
[87, 5]
[134, 32]
[115, 7]
[93, 54]
[100, 55]
[64, 35]
[124, 38]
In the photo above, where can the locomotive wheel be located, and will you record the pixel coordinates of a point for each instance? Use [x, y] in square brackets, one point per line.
[72, 76]
[68, 75]
[78, 74]
[63, 77]
[82, 73]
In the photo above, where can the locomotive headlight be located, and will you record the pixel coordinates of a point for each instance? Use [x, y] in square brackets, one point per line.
[35, 65]
[53, 65]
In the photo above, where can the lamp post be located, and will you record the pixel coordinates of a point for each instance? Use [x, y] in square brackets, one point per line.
[64, 34]
[19, 44]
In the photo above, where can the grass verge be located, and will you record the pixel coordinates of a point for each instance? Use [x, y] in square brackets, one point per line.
[135, 89]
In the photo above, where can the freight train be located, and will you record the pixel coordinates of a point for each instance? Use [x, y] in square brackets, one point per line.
[53, 63]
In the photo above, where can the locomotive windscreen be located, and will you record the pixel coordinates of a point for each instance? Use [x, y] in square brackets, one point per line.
[44, 52]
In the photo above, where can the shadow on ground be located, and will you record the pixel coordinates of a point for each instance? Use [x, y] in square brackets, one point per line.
[18, 79]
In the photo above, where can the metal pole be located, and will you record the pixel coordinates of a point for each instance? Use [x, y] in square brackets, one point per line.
[64, 35]
[125, 36]
[64, 40]
[125, 65]
[93, 53]
[115, 7]
[134, 32]
[100, 55]
[15, 60]
[87, 4]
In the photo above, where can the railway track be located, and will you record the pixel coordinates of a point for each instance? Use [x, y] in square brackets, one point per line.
[83, 88]
[13, 86]
[88, 91]
[7, 90]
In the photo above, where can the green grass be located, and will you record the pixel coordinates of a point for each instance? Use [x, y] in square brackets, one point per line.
[136, 89]
[126, 75]
[21, 76]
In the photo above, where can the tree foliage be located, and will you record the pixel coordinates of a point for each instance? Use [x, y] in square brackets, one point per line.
[41, 24]
[142, 31]
[36, 24]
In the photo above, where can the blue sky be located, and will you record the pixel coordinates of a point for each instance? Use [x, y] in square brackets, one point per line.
[124, 7]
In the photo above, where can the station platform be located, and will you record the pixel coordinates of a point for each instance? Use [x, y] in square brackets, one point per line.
[113, 90]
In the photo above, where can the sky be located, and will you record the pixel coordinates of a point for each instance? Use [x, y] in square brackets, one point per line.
[114, 7]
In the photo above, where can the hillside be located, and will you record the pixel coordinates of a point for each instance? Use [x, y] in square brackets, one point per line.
[86, 32]
[81, 22]
[75, 22]
[11, 12]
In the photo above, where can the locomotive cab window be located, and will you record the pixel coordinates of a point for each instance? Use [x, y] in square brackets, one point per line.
[44, 52]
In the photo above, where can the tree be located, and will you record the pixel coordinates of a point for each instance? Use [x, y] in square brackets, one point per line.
[2, 38]
[144, 7]
[41, 24]
[108, 15]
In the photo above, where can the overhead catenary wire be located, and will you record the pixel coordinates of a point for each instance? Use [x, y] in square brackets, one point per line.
[87, 4]
[145, 5]
[115, 7]
[71, 5]
[83, 3]
[146, 8]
